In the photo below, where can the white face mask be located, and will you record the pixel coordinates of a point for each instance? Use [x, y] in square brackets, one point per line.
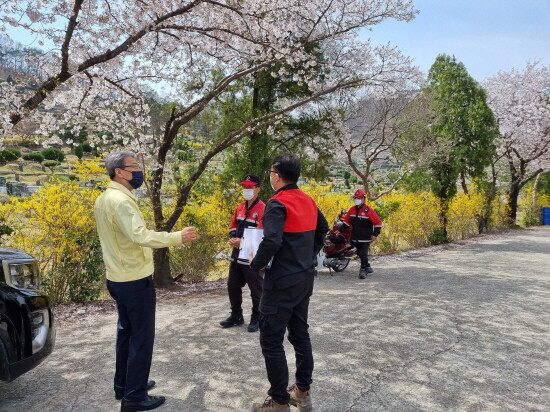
[358, 202]
[248, 194]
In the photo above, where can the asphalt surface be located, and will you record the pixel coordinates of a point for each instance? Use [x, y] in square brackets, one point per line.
[466, 328]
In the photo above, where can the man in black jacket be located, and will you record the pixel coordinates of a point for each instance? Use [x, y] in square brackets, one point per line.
[294, 230]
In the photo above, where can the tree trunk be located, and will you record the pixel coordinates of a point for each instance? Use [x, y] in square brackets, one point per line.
[463, 182]
[444, 219]
[513, 195]
[485, 216]
[162, 275]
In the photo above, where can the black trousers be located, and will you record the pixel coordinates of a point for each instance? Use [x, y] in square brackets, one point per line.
[281, 310]
[136, 304]
[240, 275]
[363, 253]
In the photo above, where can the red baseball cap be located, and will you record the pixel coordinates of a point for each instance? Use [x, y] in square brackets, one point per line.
[360, 193]
[251, 180]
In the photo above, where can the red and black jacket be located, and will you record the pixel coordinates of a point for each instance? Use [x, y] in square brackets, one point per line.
[294, 231]
[364, 223]
[242, 218]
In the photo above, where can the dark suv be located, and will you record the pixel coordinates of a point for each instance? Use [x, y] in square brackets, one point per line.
[27, 332]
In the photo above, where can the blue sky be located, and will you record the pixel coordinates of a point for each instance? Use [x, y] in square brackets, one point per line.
[486, 35]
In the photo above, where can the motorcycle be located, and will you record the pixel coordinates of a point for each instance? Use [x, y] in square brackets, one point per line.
[337, 248]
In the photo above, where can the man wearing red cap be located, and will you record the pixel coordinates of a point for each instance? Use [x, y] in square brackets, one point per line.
[365, 228]
[248, 214]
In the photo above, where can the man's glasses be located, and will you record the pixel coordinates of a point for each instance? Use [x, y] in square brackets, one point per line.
[136, 166]
[272, 171]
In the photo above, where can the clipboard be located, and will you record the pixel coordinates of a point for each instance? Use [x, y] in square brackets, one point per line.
[250, 241]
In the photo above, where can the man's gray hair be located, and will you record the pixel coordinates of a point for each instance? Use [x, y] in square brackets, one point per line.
[116, 159]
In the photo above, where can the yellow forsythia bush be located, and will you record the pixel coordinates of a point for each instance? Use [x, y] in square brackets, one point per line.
[529, 209]
[412, 222]
[499, 214]
[206, 258]
[330, 203]
[56, 225]
[462, 220]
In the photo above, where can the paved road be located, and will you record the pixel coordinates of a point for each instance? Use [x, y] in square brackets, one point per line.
[461, 329]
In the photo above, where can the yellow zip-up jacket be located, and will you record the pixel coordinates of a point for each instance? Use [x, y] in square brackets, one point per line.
[125, 241]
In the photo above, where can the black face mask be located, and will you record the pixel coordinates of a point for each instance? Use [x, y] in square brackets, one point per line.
[137, 179]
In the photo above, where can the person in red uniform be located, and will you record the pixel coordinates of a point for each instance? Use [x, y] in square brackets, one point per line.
[365, 228]
[294, 231]
[248, 214]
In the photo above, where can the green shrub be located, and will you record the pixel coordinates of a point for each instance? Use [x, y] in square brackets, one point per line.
[384, 210]
[51, 164]
[86, 147]
[53, 153]
[530, 218]
[79, 151]
[14, 151]
[193, 262]
[34, 157]
[185, 156]
[8, 155]
[437, 237]
[383, 246]
[5, 230]
[77, 280]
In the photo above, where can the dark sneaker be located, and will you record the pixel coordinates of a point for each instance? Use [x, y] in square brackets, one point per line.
[269, 405]
[232, 320]
[302, 400]
[151, 402]
[369, 270]
[254, 324]
[362, 274]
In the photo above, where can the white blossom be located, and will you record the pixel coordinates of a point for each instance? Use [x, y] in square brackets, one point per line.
[121, 47]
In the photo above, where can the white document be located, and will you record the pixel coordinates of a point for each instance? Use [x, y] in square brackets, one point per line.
[250, 241]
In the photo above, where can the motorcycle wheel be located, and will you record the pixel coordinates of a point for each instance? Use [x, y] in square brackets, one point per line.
[341, 266]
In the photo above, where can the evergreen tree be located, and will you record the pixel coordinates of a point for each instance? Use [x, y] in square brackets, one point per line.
[463, 124]
[297, 134]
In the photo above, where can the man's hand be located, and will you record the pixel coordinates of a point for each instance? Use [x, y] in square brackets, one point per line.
[235, 242]
[188, 234]
[373, 238]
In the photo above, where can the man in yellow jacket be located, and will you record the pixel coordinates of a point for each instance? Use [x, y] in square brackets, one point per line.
[126, 245]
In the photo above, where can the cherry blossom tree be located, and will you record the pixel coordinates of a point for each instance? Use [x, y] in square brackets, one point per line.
[103, 53]
[368, 130]
[521, 102]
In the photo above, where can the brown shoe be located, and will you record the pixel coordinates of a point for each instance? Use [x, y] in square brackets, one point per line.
[300, 399]
[270, 405]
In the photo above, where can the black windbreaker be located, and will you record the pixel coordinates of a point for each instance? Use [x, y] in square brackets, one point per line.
[294, 231]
